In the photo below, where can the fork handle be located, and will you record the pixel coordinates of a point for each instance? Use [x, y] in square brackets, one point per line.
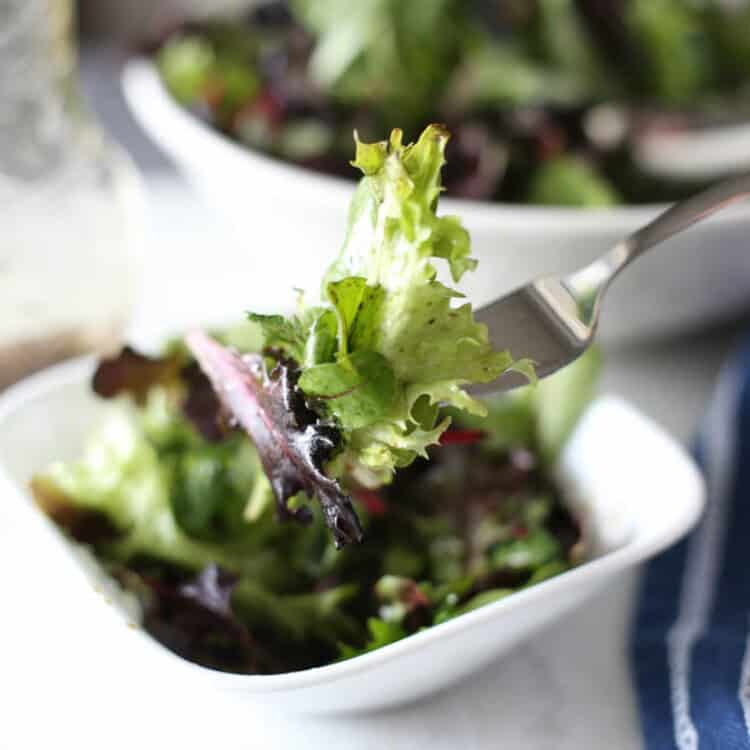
[589, 283]
[684, 214]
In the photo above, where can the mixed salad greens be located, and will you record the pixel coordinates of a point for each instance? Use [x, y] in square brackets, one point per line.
[430, 503]
[547, 99]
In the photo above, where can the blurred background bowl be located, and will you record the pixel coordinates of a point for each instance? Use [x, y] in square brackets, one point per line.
[691, 282]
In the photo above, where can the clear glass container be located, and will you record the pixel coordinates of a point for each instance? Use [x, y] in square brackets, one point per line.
[69, 200]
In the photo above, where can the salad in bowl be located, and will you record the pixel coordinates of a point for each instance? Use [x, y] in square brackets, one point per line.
[303, 489]
[552, 102]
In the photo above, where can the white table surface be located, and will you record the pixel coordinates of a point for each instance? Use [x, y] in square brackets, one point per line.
[568, 689]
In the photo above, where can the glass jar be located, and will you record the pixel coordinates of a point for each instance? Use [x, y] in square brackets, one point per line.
[69, 200]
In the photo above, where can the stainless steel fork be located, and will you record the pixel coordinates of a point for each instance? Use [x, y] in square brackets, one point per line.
[553, 320]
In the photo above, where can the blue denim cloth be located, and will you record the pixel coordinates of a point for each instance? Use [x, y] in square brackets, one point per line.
[691, 644]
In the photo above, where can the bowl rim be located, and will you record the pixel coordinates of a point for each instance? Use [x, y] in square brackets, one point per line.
[179, 133]
[631, 552]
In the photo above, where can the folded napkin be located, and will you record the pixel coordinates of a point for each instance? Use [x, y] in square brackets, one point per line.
[691, 644]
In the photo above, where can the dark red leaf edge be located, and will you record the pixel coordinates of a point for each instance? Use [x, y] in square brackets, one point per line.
[134, 373]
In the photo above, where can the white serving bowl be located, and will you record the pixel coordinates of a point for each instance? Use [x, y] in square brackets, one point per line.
[296, 219]
[634, 487]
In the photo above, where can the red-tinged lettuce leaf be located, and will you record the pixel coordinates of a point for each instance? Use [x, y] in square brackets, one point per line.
[85, 525]
[453, 436]
[211, 589]
[133, 373]
[291, 441]
[403, 601]
[373, 501]
[194, 618]
[201, 406]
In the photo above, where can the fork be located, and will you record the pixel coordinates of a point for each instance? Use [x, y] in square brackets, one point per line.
[553, 320]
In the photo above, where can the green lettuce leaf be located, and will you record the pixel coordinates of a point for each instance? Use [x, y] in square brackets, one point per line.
[380, 633]
[390, 341]
[676, 53]
[358, 391]
[390, 56]
[168, 494]
[121, 475]
[561, 399]
[570, 181]
[541, 418]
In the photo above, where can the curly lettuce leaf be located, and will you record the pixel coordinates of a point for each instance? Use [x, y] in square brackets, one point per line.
[388, 299]
[394, 236]
[540, 418]
[289, 334]
[387, 345]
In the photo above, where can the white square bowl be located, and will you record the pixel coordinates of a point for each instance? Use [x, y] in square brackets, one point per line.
[635, 488]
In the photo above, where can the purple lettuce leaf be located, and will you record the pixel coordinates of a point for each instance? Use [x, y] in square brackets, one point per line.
[211, 589]
[292, 442]
[133, 373]
[194, 618]
[201, 406]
